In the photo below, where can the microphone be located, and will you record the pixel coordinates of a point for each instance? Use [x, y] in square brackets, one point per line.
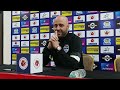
[80, 73]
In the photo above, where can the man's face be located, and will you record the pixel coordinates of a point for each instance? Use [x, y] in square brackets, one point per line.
[61, 26]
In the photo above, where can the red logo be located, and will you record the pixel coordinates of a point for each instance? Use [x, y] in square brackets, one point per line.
[92, 17]
[107, 32]
[15, 42]
[92, 33]
[34, 23]
[44, 36]
[23, 63]
[55, 12]
[36, 63]
[24, 36]
[34, 36]
[92, 40]
[79, 17]
[79, 34]
[15, 37]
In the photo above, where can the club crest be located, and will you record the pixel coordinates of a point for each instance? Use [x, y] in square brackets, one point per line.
[36, 63]
[66, 48]
[23, 63]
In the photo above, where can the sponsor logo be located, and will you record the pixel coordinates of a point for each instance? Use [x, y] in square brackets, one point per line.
[107, 41]
[78, 19]
[16, 50]
[92, 11]
[41, 49]
[117, 41]
[117, 23]
[93, 17]
[80, 34]
[117, 14]
[106, 58]
[24, 23]
[92, 25]
[25, 37]
[36, 63]
[44, 36]
[16, 31]
[44, 15]
[107, 49]
[34, 36]
[55, 14]
[24, 50]
[67, 13]
[80, 26]
[15, 12]
[24, 30]
[34, 43]
[44, 22]
[92, 49]
[107, 66]
[107, 24]
[15, 43]
[15, 24]
[14, 56]
[83, 42]
[117, 32]
[117, 49]
[106, 16]
[43, 43]
[69, 19]
[34, 30]
[93, 41]
[24, 12]
[34, 11]
[15, 37]
[34, 50]
[34, 16]
[23, 63]
[44, 29]
[24, 17]
[34, 23]
[15, 18]
[24, 43]
[79, 12]
[107, 32]
[93, 33]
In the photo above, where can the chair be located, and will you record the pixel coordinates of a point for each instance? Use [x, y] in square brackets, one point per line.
[117, 64]
[88, 62]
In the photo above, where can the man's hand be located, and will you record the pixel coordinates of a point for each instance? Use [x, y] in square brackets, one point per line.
[53, 41]
[50, 45]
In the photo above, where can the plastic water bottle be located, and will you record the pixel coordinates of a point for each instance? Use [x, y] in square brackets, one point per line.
[80, 73]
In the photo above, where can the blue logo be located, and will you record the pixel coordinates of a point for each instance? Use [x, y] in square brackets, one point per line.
[16, 31]
[107, 41]
[79, 12]
[15, 50]
[107, 24]
[34, 29]
[44, 22]
[24, 23]
[107, 66]
[117, 14]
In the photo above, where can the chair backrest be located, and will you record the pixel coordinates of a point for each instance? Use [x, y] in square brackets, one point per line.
[88, 62]
[117, 64]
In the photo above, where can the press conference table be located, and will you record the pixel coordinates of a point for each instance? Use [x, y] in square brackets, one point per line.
[54, 73]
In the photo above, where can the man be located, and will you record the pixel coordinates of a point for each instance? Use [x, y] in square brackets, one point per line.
[65, 48]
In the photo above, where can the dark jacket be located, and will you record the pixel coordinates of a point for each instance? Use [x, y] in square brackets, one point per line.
[71, 45]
